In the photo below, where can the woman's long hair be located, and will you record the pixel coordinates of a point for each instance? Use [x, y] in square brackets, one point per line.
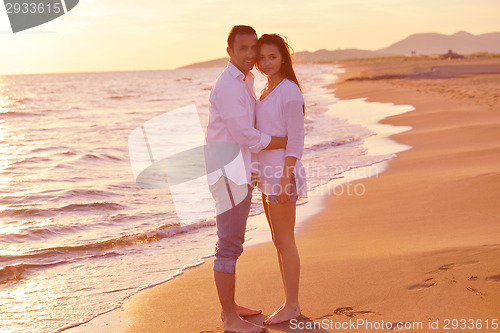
[285, 50]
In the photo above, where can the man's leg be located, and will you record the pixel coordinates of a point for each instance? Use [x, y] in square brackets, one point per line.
[233, 206]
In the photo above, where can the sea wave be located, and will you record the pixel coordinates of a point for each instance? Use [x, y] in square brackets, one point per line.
[101, 157]
[330, 144]
[19, 264]
[17, 272]
[75, 207]
[36, 232]
[121, 96]
[14, 113]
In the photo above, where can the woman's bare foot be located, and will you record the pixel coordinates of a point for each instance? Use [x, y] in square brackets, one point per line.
[242, 326]
[243, 312]
[284, 313]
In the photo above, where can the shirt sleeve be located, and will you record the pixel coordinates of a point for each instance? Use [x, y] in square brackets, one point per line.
[233, 110]
[294, 120]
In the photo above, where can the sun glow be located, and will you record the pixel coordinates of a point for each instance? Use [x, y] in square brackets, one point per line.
[5, 162]
[4, 100]
[99, 36]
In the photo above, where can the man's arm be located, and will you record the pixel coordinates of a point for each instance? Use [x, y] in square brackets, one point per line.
[236, 119]
[230, 102]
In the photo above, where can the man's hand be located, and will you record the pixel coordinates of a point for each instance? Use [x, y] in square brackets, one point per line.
[277, 142]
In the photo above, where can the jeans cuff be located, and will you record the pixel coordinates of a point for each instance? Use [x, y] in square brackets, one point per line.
[225, 265]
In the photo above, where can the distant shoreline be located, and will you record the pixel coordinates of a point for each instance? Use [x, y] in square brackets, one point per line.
[349, 56]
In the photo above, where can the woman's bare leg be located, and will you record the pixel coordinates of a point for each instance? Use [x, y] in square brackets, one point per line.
[265, 204]
[282, 221]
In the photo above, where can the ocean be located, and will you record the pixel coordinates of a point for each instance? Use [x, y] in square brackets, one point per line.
[77, 235]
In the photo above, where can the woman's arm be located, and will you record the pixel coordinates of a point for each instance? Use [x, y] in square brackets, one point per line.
[294, 122]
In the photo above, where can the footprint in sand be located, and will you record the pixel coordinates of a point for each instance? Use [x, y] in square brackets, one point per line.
[349, 312]
[432, 281]
[453, 265]
[325, 316]
[427, 284]
[477, 292]
[495, 278]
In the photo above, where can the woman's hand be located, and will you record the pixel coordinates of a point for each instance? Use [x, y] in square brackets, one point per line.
[285, 190]
[286, 187]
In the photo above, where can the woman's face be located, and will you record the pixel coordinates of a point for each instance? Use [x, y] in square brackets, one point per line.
[270, 59]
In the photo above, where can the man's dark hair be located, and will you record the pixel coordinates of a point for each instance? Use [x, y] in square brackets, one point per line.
[239, 29]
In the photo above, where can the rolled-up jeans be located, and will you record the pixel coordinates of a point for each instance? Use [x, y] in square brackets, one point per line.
[232, 204]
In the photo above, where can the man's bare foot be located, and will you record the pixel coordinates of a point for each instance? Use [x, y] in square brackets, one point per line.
[242, 326]
[242, 312]
[284, 313]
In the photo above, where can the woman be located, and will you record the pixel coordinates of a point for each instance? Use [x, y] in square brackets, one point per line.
[280, 112]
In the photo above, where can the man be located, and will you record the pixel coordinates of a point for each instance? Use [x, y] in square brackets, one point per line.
[231, 122]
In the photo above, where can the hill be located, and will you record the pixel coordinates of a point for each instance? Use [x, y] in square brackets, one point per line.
[303, 57]
[433, 43]
[460, 42]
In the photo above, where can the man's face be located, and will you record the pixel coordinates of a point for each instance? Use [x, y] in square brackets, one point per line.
[243, 52]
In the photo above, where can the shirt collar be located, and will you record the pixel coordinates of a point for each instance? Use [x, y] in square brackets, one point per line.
[235, 72]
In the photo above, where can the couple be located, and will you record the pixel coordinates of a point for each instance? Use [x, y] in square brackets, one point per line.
[269, 134]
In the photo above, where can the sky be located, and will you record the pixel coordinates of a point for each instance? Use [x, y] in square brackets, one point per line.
[114, 35]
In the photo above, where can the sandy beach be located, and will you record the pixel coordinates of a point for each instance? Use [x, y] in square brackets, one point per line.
[419, 247]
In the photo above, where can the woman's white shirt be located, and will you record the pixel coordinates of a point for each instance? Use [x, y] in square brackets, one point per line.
[281, 114]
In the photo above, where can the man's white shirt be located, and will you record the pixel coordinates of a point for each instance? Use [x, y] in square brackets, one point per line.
[232, 120]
